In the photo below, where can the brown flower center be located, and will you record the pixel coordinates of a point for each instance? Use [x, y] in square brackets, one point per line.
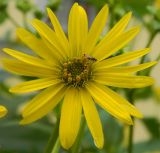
[78, 71]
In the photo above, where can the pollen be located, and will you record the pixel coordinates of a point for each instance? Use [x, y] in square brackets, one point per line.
[77, 71]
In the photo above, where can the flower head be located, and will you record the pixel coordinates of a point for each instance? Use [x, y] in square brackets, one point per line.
[78, 69]
[3, 111]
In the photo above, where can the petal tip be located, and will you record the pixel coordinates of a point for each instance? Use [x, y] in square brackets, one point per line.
[105, 7]
[129, 14]
[5, 50]
[22, 122]
[153, 63]
[65, 145]
[99, 144]
[12, 90]
[3, 111]
[49, 11]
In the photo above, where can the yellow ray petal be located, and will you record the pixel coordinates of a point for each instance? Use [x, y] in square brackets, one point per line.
[28, 58]
[108, 102]
[84, 28]
[58, 29]
[35, 44]
[124, 81]
[3, 111]
[42, 108]
[110, 47]
[58, 57]
[121, 59]
[77, 29]
[115, 31]
[25, 69]
[92, 118]
[50, 36]
[41, 99]
[34, 85]
[125, 69]
[131, 109]
[96, 29]
[70, 118]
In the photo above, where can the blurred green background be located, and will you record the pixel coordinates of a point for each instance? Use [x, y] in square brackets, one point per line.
[33, 138]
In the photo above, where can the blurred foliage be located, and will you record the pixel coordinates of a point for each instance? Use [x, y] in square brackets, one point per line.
[33, 138]
[153, 125]
[23, 5]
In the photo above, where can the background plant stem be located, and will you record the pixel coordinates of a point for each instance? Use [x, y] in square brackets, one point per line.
[131, 128]
[56, 146]
[13, 21]
[53, 138]
[148, 44]
[130, 96]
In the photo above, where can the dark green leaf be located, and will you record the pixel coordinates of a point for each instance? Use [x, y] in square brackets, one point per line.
[153, 126]
[147, 147]
[23, 5]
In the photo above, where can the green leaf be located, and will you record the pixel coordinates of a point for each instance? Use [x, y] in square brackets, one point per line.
[3, 5]
[38, 14]
[23, 5]
[53, 4]
[153, 126]
[25, 139]
[3, 16]
[143, 93]
[152, 146]
[137, 6]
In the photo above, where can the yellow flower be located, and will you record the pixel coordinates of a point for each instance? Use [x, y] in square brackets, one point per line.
[78, 70]
[157, 3]
[3, 111]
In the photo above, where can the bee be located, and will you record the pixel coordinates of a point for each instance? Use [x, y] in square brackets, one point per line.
[90, 58]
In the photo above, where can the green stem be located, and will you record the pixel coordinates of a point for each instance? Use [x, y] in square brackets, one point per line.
[148, 44]
[75, 148]
[130, 146]
[13, 21]
[53, 138]
[130, 96]
[56, 146]
[131, 128]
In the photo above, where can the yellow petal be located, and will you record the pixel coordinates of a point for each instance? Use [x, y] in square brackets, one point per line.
[96, 29]
[40, 106]
[107, 102]
[27, 58]
[70, 118]
[77, 29]
[58, 57]
[115, 31]
[25, 69]
[121, 59]
[3, 111]
[124, 81]
[92, 118]
[59, 31]
[131, 109]
[110, 47]
[37, 45]
[126, 69]
[41, 99]
[84, 28]
[50, 36]
[34, 85]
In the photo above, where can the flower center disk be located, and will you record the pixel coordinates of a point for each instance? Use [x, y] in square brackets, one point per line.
[77, 71]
